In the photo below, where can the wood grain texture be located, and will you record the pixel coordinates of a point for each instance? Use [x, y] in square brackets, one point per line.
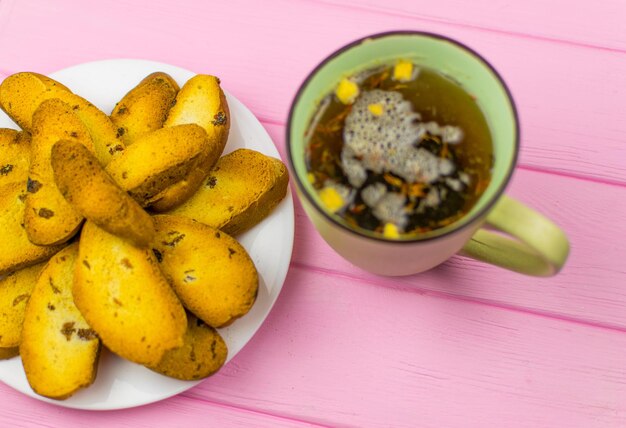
[408, 359]
[5, 12]
[555, 19]
[570, 98]
[179, 411]
[464, 345]
[589, 289]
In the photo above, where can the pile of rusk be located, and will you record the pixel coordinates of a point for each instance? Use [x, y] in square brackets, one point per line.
[117, 230]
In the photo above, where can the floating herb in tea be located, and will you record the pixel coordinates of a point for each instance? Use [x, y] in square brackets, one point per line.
[399, 150]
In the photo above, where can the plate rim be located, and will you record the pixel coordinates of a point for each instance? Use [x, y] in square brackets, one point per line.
[279, 280]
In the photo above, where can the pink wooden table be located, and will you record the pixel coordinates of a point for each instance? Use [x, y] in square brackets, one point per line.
[463, 345]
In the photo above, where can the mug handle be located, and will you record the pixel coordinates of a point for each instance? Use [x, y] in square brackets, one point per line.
[534, 245]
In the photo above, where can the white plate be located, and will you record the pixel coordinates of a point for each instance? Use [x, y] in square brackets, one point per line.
[121, 384]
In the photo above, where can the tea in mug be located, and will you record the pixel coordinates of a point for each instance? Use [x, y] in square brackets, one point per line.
[399, 150]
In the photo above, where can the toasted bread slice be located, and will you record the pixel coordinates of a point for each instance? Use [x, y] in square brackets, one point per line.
[200, 101]
[49, 218]
[21, 95]
[210, 272]
[158, 160]
[14, 156]
[240, 191]
[203, 353]
[122, 293]
[7, 353]
[15, 290]
[59, 350]
[144, 108]
[16, 250]
[93, 193]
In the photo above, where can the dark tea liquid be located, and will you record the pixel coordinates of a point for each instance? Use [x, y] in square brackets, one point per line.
[412, 205]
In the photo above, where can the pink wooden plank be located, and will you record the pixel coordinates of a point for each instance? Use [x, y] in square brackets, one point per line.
[570, 97]
[175, 412]
[6, 7]
[591, 24]
[343, 353]
[343, 348]
[590, 288]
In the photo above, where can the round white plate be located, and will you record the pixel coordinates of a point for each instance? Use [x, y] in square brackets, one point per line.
[122, 384]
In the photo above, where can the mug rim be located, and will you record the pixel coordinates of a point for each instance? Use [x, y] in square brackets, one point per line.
[414, 239]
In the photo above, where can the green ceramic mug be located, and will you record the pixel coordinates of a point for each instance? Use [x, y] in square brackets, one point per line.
[497, 230]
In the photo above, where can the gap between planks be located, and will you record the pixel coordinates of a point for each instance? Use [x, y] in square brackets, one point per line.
[189, 406]
[561, 173]
[285, 418]
[456, 297]
[409, 14]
